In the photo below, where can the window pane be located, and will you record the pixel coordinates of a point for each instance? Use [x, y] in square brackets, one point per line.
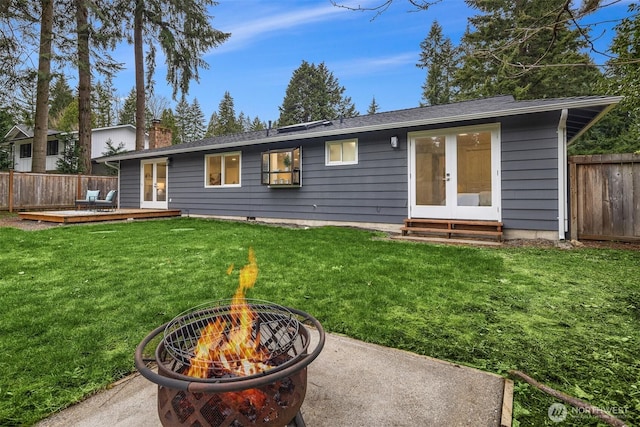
[349, 151]
[430, 171]
[474, 169]
[25, 151]
[335, 152]
[296, 158]
[232, 169]
[52, 148]
[214, 169]
[148, 182]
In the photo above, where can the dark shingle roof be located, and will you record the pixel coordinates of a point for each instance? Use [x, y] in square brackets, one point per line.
[582, 111]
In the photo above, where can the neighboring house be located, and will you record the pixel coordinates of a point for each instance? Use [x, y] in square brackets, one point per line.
[20, 140]
[492, 159]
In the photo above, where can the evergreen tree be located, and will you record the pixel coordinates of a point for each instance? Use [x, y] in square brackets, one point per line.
[68, 120]
[41, 128]
[516, 47]
[228, 123]
[196, 119]
[624, 71]
[60, 97]
[373, 107]
[103, 95]
[112, 150]
[18, 35]
[314, 93]
[213, 124]
[619, 130]
[127, 114]
[440, 58]
[182, 120]
[168, 120]
[256, 124]
[6, 123]
[182, 30]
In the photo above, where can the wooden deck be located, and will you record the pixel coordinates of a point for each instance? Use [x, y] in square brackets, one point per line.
[80, 216]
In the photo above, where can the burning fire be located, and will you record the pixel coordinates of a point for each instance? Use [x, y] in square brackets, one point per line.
[232, 347]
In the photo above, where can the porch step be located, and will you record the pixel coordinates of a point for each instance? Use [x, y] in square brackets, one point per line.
[449, 227]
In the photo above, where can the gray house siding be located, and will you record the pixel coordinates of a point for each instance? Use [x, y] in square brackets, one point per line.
[373, 190]
[129, 184]
[376, 189]
[530, 172]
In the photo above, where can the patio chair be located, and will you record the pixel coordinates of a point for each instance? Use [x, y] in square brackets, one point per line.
[109, 202]
[89, 200]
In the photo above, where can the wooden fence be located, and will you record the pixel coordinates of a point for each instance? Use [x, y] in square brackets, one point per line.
[605, 197]
[26, 191]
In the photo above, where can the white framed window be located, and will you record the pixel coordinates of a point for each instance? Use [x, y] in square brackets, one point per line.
[222, 170]
[343, 152]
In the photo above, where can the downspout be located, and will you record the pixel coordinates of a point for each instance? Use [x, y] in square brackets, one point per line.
[115, 166]
[563, 224]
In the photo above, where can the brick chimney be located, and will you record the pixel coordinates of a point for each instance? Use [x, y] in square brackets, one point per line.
[159, 136]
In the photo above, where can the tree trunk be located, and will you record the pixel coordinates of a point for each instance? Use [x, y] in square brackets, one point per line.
[39, 148]
[84, 87]
[139, 61]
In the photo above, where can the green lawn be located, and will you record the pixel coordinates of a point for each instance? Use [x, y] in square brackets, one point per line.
[75, 301]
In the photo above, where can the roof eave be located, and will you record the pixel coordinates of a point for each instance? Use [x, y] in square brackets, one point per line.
[562, 104]
[595, 120]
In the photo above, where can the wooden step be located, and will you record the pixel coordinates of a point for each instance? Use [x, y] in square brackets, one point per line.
[489, 229]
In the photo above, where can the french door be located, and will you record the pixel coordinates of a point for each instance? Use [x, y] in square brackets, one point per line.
[454, 173]
[153, 184]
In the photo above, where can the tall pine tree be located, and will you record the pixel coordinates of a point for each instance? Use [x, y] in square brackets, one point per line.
[228, 123]
[181, 29]
[314, 93]
[373, 107]
[60, 97]
[518, 48]
[439, 56]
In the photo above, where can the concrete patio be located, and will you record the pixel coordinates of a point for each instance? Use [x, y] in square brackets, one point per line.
[351, 383]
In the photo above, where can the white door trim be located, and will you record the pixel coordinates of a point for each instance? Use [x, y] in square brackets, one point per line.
[451, 210]
[151, 196]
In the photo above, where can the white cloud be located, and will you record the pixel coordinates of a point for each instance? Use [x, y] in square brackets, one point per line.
[363, 66]
[265, 20]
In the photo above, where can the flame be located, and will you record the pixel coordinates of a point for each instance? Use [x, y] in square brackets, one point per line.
[238, 351]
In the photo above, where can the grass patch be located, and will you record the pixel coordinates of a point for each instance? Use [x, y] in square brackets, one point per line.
[77, 300]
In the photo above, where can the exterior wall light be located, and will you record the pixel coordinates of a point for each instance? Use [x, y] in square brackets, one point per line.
[394, 141]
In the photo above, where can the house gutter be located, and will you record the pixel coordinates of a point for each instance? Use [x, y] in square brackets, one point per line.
[372, 128]
[563, 223]
[115, 166]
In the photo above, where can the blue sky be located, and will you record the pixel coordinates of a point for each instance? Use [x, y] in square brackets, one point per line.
[369, 57]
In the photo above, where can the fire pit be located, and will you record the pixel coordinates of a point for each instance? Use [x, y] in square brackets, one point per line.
[233, 363]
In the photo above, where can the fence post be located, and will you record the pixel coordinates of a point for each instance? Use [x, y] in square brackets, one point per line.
[573, 207]
[10, 190]
[79, 187]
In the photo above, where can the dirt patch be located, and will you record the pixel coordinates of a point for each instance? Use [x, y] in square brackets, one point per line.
[9, 220]
[541, 243]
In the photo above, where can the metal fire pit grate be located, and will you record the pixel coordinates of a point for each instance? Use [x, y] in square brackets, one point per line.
[275, 327]
[271, 398]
